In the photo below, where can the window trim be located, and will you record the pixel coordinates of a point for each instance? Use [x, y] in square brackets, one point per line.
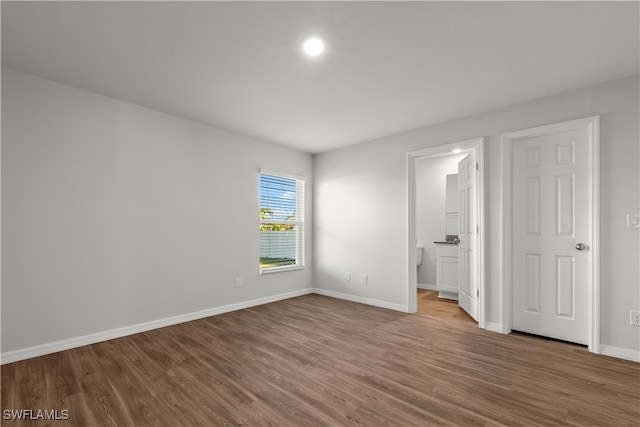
[299, 221]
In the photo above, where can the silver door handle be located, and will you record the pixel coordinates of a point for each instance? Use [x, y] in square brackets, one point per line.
[581, 246]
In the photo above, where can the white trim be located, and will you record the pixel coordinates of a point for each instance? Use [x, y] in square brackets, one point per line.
[505, 237]
[476, 144]
[505, 220]
[493, 327]
[281, 174]
[594, 132]
[482, 241]
[620, 352]
[412, 241]
[54, 347]
[362, 300]
[427, 287]
[592, 124]
[271, 270]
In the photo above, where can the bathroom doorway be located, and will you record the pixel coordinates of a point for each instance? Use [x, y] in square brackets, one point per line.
[434, 216]
[437, 217]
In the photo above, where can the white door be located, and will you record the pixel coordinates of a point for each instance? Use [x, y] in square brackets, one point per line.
[550, 229]
[468, 235]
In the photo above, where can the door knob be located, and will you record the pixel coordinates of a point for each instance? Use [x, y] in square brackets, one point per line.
[581, 246]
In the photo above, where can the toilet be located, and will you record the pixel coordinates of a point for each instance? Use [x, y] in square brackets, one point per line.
[419, 249]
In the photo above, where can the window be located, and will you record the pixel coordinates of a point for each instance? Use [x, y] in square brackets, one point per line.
[281, 221]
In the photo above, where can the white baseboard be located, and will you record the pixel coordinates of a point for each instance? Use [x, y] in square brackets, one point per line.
[493, 327]
[41, 350]
[427, 287]
[54, 347]
[362, 300]
[620, 352]
[607, 350]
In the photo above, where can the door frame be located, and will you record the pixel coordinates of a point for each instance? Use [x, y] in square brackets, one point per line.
[476, 144]
[592, 125]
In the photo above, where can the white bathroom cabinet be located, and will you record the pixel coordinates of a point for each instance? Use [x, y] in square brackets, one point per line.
[447, 270]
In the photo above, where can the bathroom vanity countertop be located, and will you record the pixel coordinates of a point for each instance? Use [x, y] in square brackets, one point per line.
[445, 243]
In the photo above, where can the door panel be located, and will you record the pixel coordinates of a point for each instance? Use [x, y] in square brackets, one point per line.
[467, 248]
[532, 283]
[565, 284]
[550, 216]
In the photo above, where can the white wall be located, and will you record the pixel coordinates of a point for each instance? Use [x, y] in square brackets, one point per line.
[361, 202]
[114, 214]
[431, 185]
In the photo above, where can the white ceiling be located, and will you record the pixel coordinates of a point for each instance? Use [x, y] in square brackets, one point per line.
[389, 66]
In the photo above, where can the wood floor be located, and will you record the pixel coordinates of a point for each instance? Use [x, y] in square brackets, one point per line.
[314, 360]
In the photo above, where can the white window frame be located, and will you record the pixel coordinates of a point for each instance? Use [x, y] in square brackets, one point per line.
[298, 221]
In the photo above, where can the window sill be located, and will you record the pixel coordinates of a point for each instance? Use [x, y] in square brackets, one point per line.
[280, 269]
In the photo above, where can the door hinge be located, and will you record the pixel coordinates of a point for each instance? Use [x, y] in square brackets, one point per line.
[477, 166]
[477, 229]
[478, 293]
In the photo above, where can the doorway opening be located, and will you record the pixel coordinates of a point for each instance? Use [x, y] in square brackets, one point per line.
[447, 310]
[470, 226]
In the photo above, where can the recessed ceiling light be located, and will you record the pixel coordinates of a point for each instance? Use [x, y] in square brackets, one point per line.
[457, 151]
[313, 46]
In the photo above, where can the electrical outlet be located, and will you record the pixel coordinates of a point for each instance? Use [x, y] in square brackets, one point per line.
[347, 277]
[364, 279]
[238, 282]
[634, 319]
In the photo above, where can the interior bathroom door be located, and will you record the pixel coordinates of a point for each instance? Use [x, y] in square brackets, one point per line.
[468, 235]
[551, 235]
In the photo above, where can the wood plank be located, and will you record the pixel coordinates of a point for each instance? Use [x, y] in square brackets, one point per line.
[315, 360]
